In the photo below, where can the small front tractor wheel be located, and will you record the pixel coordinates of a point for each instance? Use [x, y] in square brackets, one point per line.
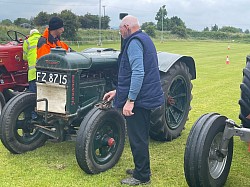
[100, 140]
[8, 94]
[168, 121]
[204, 164]
[18, 133]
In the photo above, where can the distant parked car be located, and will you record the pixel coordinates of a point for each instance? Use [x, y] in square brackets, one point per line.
[26, 25]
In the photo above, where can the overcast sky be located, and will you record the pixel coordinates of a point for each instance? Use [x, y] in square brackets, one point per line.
[197, 14]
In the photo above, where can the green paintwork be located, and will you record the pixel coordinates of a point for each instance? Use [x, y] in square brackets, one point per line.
[83, 89]
[60, 59]
[166, 60]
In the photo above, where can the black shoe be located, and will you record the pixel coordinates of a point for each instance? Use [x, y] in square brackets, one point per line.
[131, 172]
[134, 182]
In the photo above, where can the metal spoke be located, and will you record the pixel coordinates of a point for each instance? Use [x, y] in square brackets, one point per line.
[177, 109]
[180, 95]
[171, 113]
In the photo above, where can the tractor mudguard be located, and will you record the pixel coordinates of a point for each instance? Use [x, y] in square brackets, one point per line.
[167, 60]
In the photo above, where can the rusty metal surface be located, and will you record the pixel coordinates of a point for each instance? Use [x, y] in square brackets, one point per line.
[104, 105]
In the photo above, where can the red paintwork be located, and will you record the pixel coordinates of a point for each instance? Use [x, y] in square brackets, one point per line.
[13, 69]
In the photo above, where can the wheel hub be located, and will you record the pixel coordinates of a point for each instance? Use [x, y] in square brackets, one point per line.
[111, 142]
[108, 141]
[170, 100]
[216, 162]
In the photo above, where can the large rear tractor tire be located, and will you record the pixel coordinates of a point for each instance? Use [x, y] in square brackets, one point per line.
[204, 165]
[168, 121]
[100, 140]
[245, 97]
[18, 133]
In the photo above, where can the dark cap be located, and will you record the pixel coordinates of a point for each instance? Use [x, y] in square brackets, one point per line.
[55, 23]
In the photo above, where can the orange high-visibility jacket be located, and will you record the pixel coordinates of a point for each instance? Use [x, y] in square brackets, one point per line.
[46, 42]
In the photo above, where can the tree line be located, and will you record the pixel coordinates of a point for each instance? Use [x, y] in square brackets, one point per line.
[73, 22]
[176, 26]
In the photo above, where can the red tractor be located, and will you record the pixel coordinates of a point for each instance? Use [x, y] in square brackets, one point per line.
[13, 69]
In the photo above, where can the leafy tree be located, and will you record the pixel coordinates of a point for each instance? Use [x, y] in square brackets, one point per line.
[19, 21]
[168, 24]
[89, 21]
[175, 22]
[146, 24]
[161, 18]
[179, 31]
[215, 28]
[230, 29]
[206, 29]
[6, 22]
[150, 30]
[71, 24]
[246, 31]
[41, 19]
[105, 22]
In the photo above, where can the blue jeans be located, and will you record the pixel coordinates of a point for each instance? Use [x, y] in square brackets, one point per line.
[32, 86]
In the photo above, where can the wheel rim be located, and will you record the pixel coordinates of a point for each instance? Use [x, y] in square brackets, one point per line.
[216, 167]
[24, 129]
[176, 102]
[105, 142]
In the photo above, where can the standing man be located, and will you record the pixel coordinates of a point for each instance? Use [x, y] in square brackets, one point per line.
[30, 55]
[138, 92]
[51, 37]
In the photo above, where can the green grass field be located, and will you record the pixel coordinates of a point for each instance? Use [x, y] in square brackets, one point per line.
[216, 89]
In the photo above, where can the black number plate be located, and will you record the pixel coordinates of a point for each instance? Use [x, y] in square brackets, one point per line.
[51, 77]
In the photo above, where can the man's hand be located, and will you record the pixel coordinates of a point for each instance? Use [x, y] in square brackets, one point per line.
[127, 109]
[109, 96]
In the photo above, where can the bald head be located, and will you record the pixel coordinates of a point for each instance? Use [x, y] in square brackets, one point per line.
[131, 23]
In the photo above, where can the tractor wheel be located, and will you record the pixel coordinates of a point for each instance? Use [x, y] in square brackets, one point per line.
[204, 165]
[2, 102]
[245, 98]
[168, 121]
[17, 132]
[100, 140]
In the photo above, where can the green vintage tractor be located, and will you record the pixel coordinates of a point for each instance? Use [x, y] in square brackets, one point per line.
[68, 106]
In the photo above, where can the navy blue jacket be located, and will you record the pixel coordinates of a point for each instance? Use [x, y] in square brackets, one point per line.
[151, 94]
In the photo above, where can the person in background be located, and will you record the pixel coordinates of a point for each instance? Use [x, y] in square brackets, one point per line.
[138, 92]
[30, 55]
[51, 38]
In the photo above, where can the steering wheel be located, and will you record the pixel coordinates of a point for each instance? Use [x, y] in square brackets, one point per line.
[16, 36]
